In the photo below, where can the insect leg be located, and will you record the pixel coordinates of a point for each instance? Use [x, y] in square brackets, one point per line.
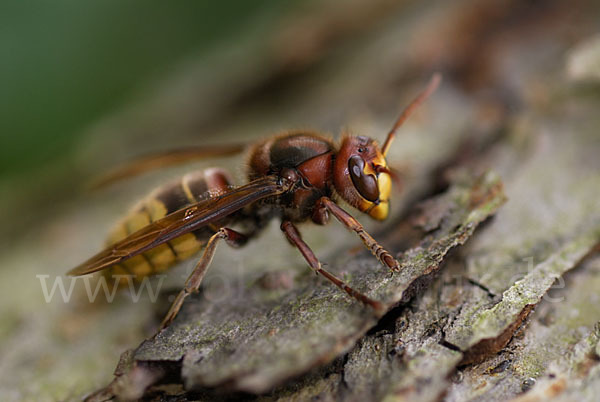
[352, 224]
[295, 238]
[192, 284]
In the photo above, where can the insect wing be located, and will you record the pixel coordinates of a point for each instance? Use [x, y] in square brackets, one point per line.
[181, 222]
[163, 159]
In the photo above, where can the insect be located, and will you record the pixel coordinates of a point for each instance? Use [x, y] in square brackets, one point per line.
[295, 177]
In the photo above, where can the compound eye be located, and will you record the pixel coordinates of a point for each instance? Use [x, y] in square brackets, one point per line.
[366, 184]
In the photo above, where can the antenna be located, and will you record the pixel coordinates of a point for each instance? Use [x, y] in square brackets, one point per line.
[434, 82]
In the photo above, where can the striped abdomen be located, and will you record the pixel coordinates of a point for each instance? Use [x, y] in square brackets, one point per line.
[171, 197]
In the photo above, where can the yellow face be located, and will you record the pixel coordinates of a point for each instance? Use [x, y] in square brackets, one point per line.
[378, 209]
[362, 178]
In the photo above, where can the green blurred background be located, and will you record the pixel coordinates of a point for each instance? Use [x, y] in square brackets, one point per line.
[66, 64]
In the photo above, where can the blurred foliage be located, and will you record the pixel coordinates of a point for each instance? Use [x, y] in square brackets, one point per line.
[66, 64]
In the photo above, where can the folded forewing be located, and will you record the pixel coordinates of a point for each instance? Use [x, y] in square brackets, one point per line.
[181, 222]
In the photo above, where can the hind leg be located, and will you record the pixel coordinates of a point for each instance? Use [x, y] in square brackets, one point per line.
[192, 284]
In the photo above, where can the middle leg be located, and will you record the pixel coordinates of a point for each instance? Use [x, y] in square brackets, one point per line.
[294, 237]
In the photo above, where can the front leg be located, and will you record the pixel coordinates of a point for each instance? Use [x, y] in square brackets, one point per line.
[352, 224]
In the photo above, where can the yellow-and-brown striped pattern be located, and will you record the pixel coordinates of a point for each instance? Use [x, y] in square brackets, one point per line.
[171, 197]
